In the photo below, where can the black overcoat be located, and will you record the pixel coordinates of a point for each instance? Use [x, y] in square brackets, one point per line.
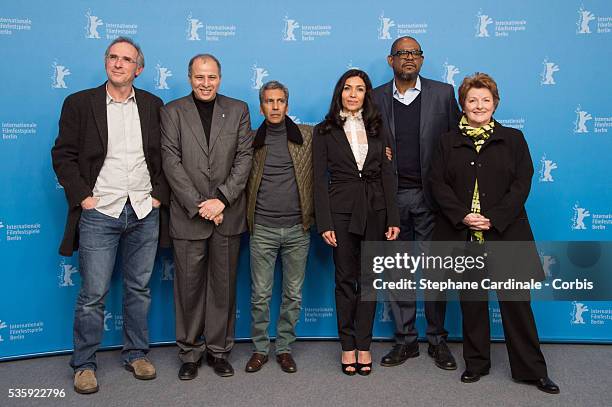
[504, 170]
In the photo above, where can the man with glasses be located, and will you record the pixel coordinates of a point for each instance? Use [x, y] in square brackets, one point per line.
[107, 157]
[282, 167]
[206, 152]
[416, 112]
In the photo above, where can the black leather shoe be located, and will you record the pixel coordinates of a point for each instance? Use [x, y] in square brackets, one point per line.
[189, 370]
[220, 365]
[543, 384]
[399, 354]
[547, 386]
[472, 377]
[442, 356]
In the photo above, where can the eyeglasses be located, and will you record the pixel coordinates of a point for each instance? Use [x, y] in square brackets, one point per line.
[404, 53]
[114, 58]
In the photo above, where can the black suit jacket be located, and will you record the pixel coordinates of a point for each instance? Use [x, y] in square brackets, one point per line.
[81, 146]
[340, 187]
[439, 114]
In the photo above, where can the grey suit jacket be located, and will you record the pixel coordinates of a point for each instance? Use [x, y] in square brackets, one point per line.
[439, 114]
[197, 170]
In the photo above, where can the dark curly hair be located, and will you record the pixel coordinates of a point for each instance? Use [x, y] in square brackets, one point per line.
[370, 114]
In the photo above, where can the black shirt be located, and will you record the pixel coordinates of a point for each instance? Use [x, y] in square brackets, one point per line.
[205, 109]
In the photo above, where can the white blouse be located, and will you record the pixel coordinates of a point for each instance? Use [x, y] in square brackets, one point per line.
[356, 135]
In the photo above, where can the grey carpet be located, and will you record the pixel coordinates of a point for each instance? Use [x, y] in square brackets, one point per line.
[582, 371]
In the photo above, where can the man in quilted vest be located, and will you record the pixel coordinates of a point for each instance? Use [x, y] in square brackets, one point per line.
[279, 216]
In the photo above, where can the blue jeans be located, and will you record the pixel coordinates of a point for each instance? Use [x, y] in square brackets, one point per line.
[266, 242]
[100, 238]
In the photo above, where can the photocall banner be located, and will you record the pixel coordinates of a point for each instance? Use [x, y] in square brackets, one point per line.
[551, 60]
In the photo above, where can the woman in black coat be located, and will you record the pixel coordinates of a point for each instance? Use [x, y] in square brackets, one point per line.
[480, 177]
[354, 202]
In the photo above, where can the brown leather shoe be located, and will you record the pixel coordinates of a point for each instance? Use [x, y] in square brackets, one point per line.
[142, 369]
[85, 381]
[286, 362]
[256, 362]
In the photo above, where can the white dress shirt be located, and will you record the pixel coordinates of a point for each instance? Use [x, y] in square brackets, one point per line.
[410, 94]
[357, 136]
[124, 172]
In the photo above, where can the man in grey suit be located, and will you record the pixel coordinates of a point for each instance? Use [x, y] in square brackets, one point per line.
[206, 149]
[416, 112]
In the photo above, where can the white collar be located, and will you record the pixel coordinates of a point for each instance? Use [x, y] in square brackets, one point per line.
[110, 99]
[351, 115]
[417, 86]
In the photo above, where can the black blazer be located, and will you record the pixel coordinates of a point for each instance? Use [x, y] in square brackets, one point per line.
[339, 187]
[439, 114]
[504, 170]
[81, 146]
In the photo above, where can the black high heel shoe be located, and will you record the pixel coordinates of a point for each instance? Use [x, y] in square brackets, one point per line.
[347, 372]
[364, 369]
[347, 366]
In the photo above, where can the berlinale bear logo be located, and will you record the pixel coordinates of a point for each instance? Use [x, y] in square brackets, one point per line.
[162, 75]
[578, 309]
[91, 29]
[193, 25]
[385, 25]
[290, 27]
[483, 22]
[258, 75]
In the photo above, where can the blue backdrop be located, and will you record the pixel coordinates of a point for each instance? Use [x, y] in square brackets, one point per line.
[551, 59]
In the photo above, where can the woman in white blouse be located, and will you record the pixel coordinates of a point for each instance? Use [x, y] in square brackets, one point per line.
[354, 202]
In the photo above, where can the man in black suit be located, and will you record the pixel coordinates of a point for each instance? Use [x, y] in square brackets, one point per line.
[107, 157]
[415, 111]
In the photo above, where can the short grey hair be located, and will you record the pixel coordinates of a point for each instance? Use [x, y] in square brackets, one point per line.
[139, 59]
[273, 85]
[203, 57]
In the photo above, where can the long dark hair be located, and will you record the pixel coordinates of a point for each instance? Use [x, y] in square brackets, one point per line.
[370, 114]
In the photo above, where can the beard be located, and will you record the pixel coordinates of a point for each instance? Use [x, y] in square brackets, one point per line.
[404, 76]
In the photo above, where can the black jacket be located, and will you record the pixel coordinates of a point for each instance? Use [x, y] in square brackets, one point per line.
[339, 187]
[80, 150]
[439, 114]
[504, 170]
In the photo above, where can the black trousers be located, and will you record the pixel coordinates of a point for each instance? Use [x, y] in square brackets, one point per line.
[522, 342]
[355, 316]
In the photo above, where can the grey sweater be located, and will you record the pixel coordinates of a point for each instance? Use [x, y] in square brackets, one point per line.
[278, 203]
